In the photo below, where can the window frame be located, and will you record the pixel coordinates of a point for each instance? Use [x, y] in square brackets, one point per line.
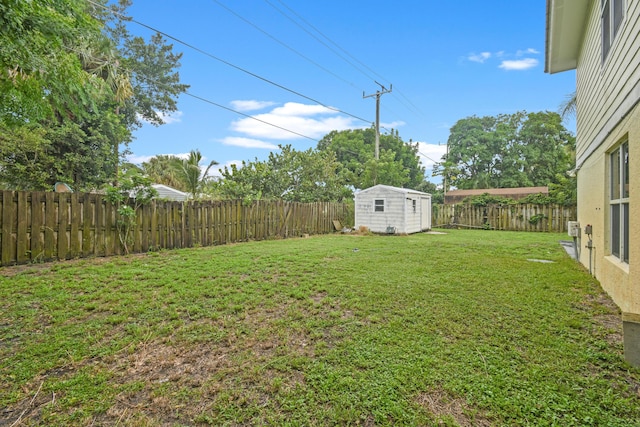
[619, 202]
[612, 14]
[381, 205]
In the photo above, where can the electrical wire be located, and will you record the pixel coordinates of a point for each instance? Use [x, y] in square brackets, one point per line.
[283, 44]
[315, 37]
[212, 56]
[249, 116]
[415, 109]
[208, 101]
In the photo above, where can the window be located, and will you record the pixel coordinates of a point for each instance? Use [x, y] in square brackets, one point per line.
[414, 204]
[378, 205]
[612, 15]
[619, 202]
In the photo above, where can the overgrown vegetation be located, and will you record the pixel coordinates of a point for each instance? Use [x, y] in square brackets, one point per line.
[486, 199]
[132, 193]
[454, 329]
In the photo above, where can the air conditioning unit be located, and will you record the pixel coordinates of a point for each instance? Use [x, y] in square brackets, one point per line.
[574, 228]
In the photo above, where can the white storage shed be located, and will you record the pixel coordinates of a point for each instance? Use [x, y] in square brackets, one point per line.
[393, 210]
[170, 193]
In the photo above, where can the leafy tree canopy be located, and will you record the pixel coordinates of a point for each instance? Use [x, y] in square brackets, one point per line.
[301, 176]
[75, 80]
[398, 164]
[508, 150]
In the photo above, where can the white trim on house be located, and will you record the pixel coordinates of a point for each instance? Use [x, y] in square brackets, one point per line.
[565, 20]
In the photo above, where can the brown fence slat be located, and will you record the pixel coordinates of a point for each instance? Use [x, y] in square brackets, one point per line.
[44, 226]
[548, 218]
[63, 222]
[74, 233]
[37, 219]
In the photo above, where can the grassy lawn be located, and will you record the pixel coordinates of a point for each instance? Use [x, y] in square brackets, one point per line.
[454, 329]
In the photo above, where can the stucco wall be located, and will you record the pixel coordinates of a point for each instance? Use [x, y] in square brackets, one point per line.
[620, 280]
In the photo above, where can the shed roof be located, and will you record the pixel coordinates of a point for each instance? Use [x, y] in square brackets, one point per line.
[394, 189]
[166, 192]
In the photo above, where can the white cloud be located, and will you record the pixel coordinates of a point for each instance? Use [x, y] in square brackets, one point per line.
[393, 125]
[297, 109]
[529, 51]
[519, 64]
[479, 57]
[174, 117]
[295, 117]
[138, 160]
[215, 170]
[247, 142]
[430, 153]
[251, 105]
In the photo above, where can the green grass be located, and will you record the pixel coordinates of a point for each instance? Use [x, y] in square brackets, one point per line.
[455, 329]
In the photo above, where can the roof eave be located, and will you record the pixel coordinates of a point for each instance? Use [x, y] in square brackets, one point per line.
[564, 33]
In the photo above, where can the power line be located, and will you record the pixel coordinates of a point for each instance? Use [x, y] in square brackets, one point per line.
[284, 44]
[314, 36]
[409, 106]
[212, 56]
[332, 42]
[248, 116]
[208, 101]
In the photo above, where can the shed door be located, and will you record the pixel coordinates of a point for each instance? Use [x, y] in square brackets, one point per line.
[425, 214]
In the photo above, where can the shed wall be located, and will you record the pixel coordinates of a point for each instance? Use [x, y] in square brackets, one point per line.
[399, 213]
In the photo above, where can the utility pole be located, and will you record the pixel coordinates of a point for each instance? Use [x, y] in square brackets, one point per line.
[446, 159]
[378, 94]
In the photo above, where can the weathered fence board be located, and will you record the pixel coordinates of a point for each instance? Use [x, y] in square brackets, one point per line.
[525, 217]
[39, 226]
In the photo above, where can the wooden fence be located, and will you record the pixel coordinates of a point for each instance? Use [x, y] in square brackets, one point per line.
[42, 226]
[525, 217]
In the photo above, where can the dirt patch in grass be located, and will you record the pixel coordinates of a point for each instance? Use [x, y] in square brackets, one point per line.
[447, 408]
[607, 316]
[180, 381]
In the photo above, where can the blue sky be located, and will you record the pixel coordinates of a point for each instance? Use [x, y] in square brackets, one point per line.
[445, 60]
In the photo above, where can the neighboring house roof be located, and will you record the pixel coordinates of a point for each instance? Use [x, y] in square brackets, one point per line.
[390, 188]
[456, 196]
[564, 33]
[169, 193]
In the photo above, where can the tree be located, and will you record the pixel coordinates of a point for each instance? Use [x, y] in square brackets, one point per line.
[569, 107]
[133, 192]
[40, 74]
[508, 150]
[72, 68]
[192, 174]
[301, 176]
[355, 150]
[165, 169]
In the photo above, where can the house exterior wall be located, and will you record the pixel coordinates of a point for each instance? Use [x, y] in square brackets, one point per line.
[608, 114]
[606, 90]
[398, 210]
[619, 280]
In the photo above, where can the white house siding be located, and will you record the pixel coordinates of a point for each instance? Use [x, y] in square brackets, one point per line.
[606, 91]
